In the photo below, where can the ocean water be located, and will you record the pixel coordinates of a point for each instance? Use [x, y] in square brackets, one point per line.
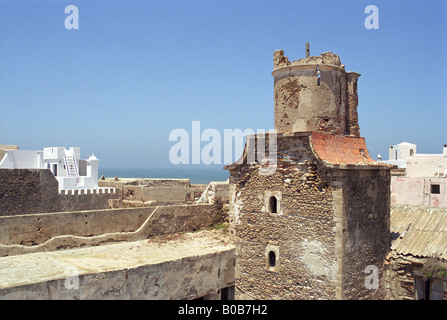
[197, 175]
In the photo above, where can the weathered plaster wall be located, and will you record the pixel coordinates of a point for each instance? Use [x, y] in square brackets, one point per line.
[427, 165]
[38, 228]
[52, 231]
[417, 191]
[188, 266]
[315, 94]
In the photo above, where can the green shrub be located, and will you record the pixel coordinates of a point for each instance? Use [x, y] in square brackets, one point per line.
[434, 268]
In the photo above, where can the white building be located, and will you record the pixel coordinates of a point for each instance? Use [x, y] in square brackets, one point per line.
[428, 165]
[71, 172]
[404, 155]
[421, 178]
[399, 153]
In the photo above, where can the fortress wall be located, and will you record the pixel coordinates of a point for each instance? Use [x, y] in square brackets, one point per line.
[158, 194]
[154, 191]
[86, 201]
[52, 231]
[38, 228]
[28, 191]
[20, 191]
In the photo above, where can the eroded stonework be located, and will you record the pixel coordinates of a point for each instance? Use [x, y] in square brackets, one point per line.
[329, 222]
[315, 223]
[315, 94]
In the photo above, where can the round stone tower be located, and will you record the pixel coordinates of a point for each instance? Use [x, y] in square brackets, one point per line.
[315, 94]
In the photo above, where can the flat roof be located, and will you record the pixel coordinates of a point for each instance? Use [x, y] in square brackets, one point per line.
[26, 269]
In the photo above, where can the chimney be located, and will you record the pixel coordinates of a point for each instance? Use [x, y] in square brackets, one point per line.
[307, 50]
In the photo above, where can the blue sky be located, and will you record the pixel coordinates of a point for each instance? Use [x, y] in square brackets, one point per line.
[136, 70]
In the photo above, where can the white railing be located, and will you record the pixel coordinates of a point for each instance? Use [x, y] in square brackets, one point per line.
[101, 190]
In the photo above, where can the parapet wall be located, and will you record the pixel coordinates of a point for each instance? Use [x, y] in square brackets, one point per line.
[62, 230]
[178, 267]
[144, 192]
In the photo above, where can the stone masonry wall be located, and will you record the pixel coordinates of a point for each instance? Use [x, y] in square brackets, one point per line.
[366, 225]
[353, 101]
[27, 191]
[400, 279]
[301, 233]
[21, 191]
[331, 222]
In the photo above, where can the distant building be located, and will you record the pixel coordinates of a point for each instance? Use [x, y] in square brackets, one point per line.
[4, 147]
[71, 172]
[420, 179]
[399, 153]
[428, 165]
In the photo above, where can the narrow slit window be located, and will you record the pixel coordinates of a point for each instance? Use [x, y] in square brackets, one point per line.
[318, 75]
[272, 259]
[273, 204]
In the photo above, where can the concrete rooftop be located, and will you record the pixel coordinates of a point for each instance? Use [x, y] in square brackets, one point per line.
[36, 269]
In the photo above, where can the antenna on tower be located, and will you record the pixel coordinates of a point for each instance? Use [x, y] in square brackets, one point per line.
[307, 50]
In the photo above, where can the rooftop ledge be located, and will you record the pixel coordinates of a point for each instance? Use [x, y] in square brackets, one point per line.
[334, 151]
[100, 266]
[291, 67]
[325, 61]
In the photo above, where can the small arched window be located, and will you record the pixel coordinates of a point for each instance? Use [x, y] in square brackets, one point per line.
[273, 205]
[272, 259]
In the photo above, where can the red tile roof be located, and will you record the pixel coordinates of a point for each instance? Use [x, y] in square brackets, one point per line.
[337, 149]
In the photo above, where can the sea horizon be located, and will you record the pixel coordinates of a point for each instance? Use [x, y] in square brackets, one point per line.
[197, 175]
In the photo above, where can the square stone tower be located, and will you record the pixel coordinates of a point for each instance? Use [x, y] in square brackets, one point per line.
[309, 208]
